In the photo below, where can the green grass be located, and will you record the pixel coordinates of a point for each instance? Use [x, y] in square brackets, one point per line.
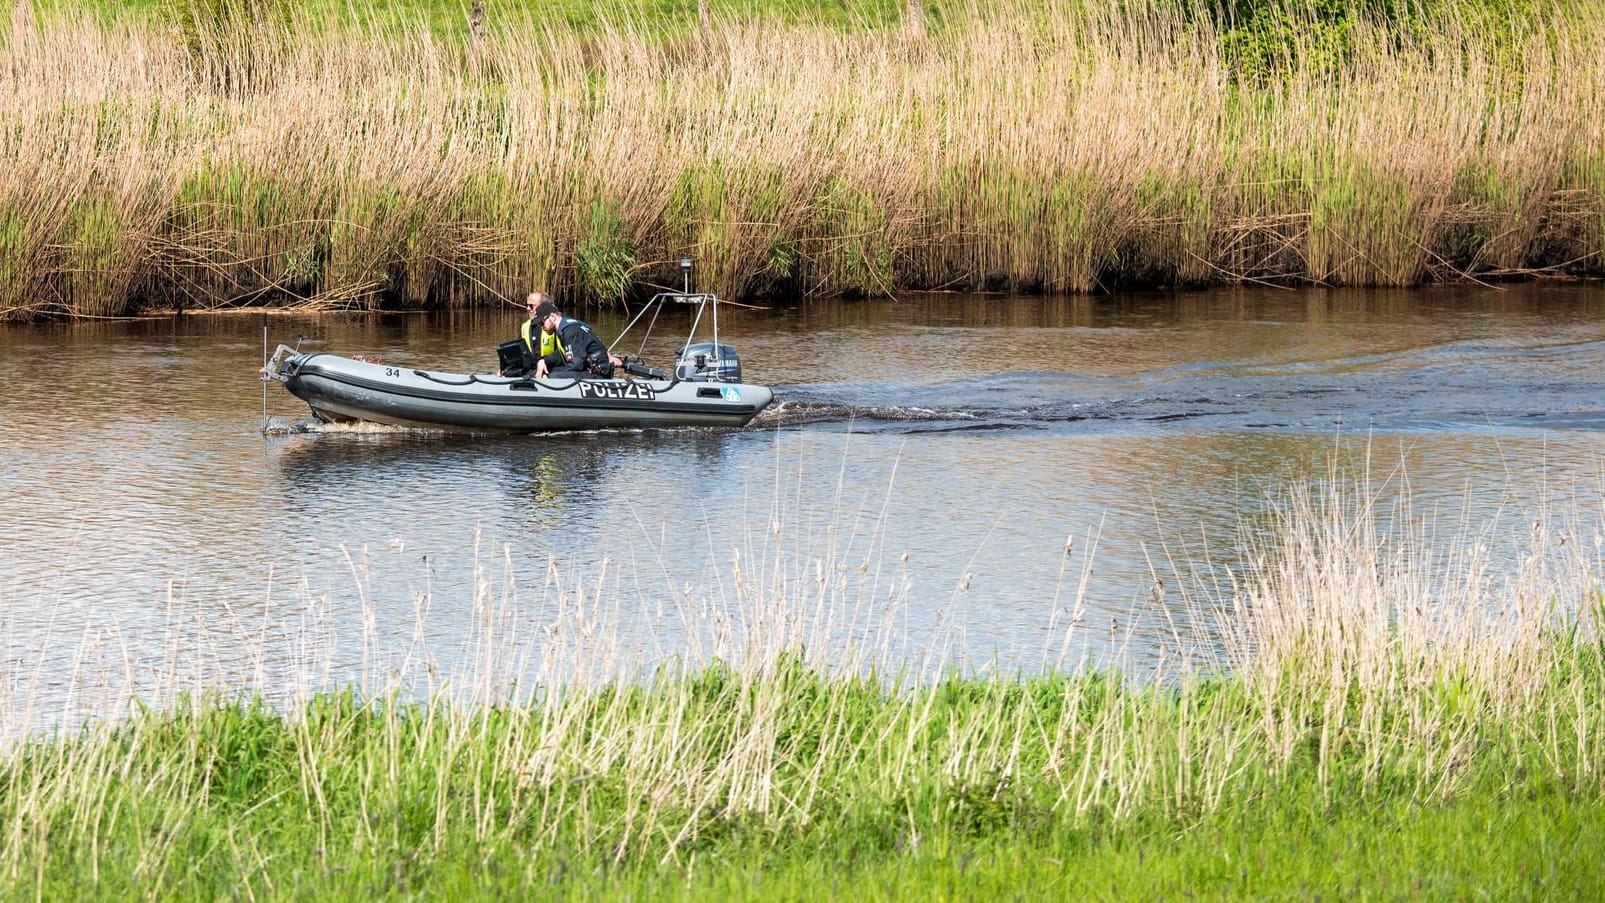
[871, 799]
[1522, 847]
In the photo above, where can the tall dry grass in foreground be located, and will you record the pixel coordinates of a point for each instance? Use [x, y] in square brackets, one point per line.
[1363, 666]
[1060, 147]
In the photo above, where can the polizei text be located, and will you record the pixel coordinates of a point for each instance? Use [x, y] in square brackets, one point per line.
[635, 390]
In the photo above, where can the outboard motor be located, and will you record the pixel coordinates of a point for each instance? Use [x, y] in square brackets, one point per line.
[708, 362]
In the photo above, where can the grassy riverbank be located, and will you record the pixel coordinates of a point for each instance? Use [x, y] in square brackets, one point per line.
[1384, 717]
[795, 785]
[266, 153]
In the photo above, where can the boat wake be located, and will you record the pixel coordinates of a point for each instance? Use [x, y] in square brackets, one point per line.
[277, 426]
[799, 413]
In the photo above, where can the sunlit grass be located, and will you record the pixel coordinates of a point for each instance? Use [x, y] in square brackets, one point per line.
[347, 156]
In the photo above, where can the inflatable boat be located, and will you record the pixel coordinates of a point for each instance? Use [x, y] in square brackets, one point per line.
[342, 388]
[704, 390]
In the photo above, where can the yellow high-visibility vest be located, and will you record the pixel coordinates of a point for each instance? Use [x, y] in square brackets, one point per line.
[549, 340]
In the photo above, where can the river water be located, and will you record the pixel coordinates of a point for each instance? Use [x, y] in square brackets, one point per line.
[907, 503]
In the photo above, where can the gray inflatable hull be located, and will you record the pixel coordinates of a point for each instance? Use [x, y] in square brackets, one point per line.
[339, 388]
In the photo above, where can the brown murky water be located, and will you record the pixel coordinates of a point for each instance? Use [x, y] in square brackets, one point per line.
[911, 493]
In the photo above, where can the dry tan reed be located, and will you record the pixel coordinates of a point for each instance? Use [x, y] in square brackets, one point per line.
[1357, 615]
[1061, 147]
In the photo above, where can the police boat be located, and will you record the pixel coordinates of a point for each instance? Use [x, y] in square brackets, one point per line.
[705, 390]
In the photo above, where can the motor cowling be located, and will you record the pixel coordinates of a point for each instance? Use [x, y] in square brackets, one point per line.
[708, 362]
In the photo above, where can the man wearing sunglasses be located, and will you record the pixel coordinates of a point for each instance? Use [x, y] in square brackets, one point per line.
[561, 347]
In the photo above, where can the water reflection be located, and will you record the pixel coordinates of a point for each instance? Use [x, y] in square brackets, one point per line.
[567, 480]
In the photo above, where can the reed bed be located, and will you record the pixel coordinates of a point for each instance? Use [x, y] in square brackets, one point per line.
[1362, 668]
[288, 156]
